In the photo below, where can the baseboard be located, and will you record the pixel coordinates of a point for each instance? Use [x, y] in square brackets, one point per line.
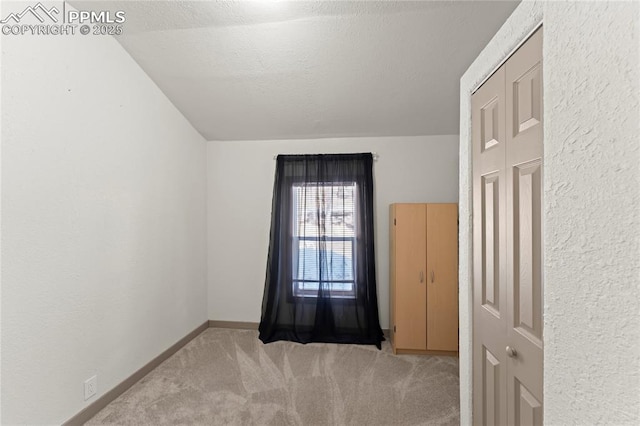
[424, 352]
[241, 325]
[91, 410]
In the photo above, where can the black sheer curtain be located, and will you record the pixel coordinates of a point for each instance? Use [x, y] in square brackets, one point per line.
[320, 283]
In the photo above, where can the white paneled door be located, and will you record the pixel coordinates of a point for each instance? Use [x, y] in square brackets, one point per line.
[507, 241]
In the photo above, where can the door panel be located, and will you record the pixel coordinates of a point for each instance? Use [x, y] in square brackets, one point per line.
[442, 277]
[490, 249]
[493, 391]
[490, 122]
[528, 409]
[527, 291]
[392, 274]
[489, 244]
[410, 281]
[523, 74]
[527, 100]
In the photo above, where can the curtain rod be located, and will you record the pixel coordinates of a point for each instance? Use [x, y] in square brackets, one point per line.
[374, 154]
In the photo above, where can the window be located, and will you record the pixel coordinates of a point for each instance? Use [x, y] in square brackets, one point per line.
[324, 243]
[320, 283]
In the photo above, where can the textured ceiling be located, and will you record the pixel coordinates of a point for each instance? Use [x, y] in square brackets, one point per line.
[283, 69]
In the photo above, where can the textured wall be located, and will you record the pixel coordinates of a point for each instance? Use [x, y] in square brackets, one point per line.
[103, 214]
[592, 213]
[591, 208]
[410, 169]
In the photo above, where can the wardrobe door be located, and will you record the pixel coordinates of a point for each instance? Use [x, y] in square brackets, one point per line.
[524, 233]
[442, 277]
[410, 278]
[489, 253]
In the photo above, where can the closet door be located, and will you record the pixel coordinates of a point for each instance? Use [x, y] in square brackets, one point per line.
[524, 233]
[489, 253]
[410, 290]
[442, 277]
[507, 242]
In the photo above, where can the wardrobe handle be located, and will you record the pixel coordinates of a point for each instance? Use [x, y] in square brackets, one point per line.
[433, 276]
[421, 276]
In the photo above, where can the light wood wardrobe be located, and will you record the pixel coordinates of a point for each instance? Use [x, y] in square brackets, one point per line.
[424, 278]
[507, 241]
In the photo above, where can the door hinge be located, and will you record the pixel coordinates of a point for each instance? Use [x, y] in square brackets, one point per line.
[394, 222]
[394, 328]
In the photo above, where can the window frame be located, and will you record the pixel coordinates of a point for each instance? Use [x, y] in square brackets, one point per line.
[294, 289]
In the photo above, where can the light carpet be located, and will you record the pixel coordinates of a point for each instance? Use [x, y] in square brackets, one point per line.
[229, 377]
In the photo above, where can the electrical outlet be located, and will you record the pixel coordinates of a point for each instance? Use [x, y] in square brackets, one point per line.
[90, 387]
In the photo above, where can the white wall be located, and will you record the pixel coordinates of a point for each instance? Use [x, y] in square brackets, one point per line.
[591, 208]
[240, 186]
[592, 213]
[103, 214]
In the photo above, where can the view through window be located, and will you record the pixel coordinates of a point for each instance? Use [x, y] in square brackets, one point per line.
[324, 239]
